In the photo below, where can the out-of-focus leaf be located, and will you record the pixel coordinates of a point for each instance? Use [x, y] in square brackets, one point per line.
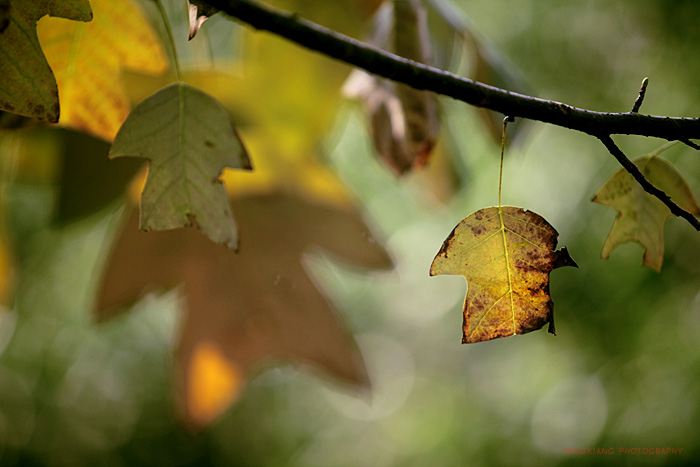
[642, 217]
[486, 63]
[89, 181]
[199, 12]
[87, 60]
[28, 85]
[189, 139]
[404, 121]
[506, 255]
[246, 309]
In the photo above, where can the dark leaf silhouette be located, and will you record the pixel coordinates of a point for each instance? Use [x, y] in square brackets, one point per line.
[246, 309]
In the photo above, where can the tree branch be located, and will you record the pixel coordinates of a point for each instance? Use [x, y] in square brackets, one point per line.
[420, 76]
[424, 77]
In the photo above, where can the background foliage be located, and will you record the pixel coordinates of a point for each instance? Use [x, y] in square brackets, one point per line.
[621, 373]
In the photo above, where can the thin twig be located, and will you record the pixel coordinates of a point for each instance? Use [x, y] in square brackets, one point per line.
[690, 144]
[648, 187]
[640, 96]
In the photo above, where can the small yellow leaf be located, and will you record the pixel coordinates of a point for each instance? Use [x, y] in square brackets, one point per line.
[506, 255]
[641, 217]
[87, 59]
[212, 381]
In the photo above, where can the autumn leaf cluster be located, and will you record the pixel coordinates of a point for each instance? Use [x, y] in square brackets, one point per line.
[234, 193]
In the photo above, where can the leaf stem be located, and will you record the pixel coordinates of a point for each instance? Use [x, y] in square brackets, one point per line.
[663, 148]
[503, 151]
[171, 38]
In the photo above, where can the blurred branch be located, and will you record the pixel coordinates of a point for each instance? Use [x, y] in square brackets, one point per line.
[424, 77]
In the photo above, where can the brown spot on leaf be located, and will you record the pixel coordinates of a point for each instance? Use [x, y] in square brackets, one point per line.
[208, 143]
[477, 230]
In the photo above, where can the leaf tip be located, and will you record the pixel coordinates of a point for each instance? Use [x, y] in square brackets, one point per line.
[563, 258]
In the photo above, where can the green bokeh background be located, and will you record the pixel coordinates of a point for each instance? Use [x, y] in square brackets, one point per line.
[623, 371]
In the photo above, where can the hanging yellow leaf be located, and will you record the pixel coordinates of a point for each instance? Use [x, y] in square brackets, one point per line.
[641, 217]
[506, 255]
[28, 85]
[87, 59]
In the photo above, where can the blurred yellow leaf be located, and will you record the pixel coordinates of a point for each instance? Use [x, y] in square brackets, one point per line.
[506, 255]
[642, 217]
[87, 59]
